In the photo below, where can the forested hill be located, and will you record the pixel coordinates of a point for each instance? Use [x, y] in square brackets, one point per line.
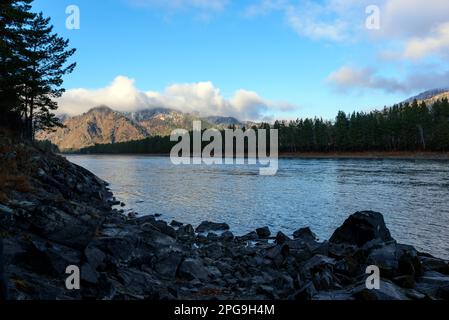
[415, 126]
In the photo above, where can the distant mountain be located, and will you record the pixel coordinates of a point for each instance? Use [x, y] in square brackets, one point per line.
[102, 125]
[224, 121]
[98, 126]
[147, 114]
[161, 122]
[430, 96]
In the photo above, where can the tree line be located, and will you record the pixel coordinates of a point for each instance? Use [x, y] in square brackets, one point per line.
[406, 126]
[33, 62]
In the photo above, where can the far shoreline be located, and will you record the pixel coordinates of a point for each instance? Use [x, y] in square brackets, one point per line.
[397, 155]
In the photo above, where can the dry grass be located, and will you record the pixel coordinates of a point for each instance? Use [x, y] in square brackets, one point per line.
[16, 182]
[21, 285]
[13, 175]
[3, 197]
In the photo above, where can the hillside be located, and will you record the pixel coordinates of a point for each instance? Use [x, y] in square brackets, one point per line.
[98, 126]
[103, 125]
[430, 96]
[440, 96]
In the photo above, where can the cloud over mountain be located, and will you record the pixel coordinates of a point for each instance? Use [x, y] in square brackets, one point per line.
[201, 97]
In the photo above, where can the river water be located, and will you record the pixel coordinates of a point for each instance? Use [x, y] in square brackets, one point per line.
[413, 195]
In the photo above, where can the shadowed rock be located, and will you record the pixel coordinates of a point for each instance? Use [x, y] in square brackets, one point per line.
[3, 288]
[361, 228]
[211, 226]
[305, 234]
[263, 233]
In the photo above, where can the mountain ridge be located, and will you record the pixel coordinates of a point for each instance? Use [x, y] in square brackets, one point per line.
[103, 125]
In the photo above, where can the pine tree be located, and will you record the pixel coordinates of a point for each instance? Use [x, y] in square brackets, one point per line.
[33, 61]
[46, 56]
[342, 139]
[14, 16]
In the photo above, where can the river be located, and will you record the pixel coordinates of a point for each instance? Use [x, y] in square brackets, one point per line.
[413, 195]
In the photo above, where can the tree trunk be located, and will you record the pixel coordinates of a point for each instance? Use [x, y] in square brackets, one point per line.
[421, 134]
[31, 121]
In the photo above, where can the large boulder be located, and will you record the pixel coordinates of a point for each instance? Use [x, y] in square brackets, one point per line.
[249, 237]
[317, 263]
[94, 256]
[433, 284]
[396, 259]
[74, 227]
[278, 254]
[361, 228]
[137, 284]
[263, 233]
[387, 291]
[185, 231]
[168, 264]
[435, 264]
[211, 226]
[192, 268]
[164, 228]
[281, 238]
[307, 292]
[304, 234]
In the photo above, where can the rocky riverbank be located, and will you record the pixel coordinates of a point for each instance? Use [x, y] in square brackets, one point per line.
[54, 214]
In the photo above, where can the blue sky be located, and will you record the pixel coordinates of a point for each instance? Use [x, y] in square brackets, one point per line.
[260, 59]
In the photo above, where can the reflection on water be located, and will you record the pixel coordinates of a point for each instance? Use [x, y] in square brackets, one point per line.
[412, 195]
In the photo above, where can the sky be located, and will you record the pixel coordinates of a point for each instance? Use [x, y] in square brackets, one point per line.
[254, 60]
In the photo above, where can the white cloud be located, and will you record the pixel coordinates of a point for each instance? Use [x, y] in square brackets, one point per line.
[409, 30]
[307, 25]
[407, 22]
[329, 20]
[421, 28]
[436, 43]
[349, 78]
[412, 18]
[202, 97]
